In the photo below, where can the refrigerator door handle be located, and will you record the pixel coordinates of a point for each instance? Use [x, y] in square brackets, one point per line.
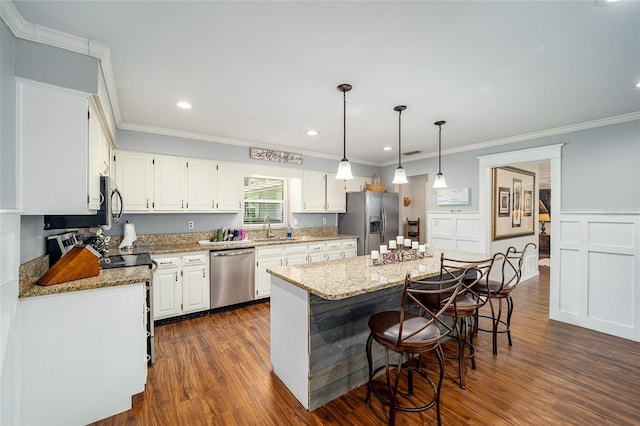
[383, 231]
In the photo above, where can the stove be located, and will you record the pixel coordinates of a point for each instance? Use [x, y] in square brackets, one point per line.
[123, 260]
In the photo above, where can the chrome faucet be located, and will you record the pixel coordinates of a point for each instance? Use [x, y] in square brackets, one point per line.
[267, 222]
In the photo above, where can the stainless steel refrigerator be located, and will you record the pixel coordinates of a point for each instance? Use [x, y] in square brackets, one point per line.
[373, 217]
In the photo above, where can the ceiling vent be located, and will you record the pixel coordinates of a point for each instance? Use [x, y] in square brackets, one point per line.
[411, 153]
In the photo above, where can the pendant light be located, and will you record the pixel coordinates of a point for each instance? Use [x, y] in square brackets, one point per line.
[344, 168]
[439, 182]
[400, 175]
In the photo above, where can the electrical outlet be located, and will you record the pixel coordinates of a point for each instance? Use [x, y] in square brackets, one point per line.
[190, 224]
[295, 221]
[324, 220]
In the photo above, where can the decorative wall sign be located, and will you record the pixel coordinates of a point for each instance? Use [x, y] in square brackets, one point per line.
[272, 155]
[513, 191]
[453, 197]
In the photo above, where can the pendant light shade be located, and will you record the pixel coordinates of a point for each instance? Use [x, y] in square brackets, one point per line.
[400, 175]
[344, 168]
[439, 182]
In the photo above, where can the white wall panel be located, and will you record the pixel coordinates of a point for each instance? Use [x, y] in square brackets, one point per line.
[611, 234]
[597, 272]
[568, 301]
[455, 231]
[611, 288]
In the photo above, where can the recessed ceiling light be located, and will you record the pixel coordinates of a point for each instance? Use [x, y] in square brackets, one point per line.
[387, 148]
[311, 132]
[638, 85]
[184, 105]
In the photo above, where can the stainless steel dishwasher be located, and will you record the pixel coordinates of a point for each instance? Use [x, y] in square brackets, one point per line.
[232, 277]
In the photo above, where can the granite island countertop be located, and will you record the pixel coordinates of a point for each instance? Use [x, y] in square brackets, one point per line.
[340, 279]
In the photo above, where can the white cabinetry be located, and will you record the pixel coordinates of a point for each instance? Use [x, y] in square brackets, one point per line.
[169, 189]
[195, 282]
[201, 185]
[99, 158]
[180, 284]
[83, 355]
[134, 178]
[318, 192]
[52, 132]
[336, 195]
[266, 257]
[164, 183]
[297, 254]
[230, 188]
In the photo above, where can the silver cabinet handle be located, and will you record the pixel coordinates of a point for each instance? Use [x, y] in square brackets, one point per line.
[182, 204]
[176, 274]
[213, 204]
[147, 203]
[203, 273]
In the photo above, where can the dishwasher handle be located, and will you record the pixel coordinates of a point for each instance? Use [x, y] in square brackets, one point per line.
[231, 253]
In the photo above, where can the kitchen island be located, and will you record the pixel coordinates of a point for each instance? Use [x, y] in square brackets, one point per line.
[319, 316]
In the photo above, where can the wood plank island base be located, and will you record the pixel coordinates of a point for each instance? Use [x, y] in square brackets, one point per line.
[319, 320]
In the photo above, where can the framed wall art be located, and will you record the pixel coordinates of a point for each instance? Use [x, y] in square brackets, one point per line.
[512, 211]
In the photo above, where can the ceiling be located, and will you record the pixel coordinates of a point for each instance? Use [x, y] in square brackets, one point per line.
[262, 73]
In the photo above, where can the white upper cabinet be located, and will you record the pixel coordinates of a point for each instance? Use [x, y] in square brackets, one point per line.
[53, 132]
[318, 192]
[169, 188]
[336, 195]
[164, 183]
[134, 179]
[230, 188]
[201, 185]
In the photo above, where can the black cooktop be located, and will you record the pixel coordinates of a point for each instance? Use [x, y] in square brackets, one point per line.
[123, 260]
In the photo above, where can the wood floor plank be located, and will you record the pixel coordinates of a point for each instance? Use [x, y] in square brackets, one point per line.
[215, 370]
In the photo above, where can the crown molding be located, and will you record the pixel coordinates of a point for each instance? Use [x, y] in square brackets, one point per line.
[40, 34]
[617, 119]
[228, 141]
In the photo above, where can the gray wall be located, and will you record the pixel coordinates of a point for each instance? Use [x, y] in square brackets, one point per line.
[55, 66]
[600, 169]
[8, 189]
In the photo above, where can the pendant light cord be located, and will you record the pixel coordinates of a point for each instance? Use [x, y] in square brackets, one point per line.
[344, 125]
[399, 137]
[439, 148]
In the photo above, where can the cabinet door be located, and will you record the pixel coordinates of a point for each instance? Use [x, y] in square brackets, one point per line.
[96, 152]
[313, 191]
[134, 175]
[52, 134]
[167, 293]
[230, 188]
[297, 254]
[336, 195]
[266, 258]
[195, 289]
[333, 250]
[201, 185]
[169, 183]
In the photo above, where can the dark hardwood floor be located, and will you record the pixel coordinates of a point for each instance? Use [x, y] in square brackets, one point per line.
[215, 370]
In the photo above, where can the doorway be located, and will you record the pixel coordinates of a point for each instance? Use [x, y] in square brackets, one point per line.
[414, 198]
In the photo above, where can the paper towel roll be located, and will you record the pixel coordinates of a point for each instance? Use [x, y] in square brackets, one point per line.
[129, 235]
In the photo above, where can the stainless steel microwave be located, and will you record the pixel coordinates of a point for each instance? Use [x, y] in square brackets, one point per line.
[105, 216]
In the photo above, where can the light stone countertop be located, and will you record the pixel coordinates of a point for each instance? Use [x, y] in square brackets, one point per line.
[340, 279]
[168, 248]
[106, 278]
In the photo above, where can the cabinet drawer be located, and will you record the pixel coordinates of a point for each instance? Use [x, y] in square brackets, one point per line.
[167, 262]
[194, 259]
[263, 253]
[334, 245]
[316, 248]
[349, 245]
[295, 249]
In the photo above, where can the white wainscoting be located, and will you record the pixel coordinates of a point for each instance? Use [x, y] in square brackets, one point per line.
[455, 231]
[597, 271]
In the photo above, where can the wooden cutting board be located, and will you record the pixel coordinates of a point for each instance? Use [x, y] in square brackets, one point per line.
[80, 262]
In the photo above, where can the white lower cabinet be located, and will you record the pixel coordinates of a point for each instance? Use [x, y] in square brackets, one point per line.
[180, 284]
[266, 257]
[297, 254]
